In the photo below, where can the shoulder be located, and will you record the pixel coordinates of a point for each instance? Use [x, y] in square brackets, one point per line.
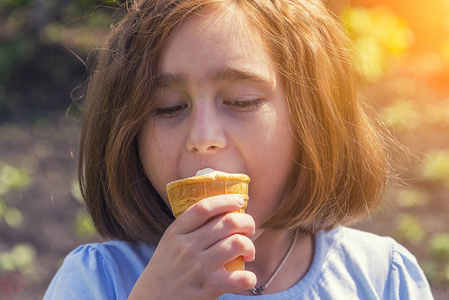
[368, 249]
[407, 280]
[364, 248]
[355, 241]
[354, 260]
[374, 265]
[100, 271]
[357, 250]
[114, 251]
[112, 256]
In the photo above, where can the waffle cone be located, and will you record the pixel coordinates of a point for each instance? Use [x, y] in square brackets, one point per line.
[185, 192]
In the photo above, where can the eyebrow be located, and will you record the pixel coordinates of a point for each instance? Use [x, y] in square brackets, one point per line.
[232, 74]
[171, 79]
[223, 74]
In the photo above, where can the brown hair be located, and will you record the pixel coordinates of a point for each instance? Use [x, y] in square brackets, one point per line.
[342, 168]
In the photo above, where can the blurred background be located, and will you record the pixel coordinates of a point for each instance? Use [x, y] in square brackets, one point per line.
[404, 49]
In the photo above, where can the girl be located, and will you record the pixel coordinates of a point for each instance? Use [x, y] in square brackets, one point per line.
[261, 87]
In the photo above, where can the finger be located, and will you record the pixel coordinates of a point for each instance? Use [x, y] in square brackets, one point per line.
[230, 282]
[228, 249]
[208, 208]
[231, 223]
[241, 280]
[223, 226]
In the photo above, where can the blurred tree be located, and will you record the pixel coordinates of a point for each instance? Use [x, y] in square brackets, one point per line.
[429, 20]
[380, 36]
[37, 37]
[37, 69]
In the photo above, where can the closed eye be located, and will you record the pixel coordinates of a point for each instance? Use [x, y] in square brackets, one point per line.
[243, 105]
[170, 111]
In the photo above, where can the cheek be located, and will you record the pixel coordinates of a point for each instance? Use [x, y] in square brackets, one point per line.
[156, 153]
[272, 160]
[273, 135]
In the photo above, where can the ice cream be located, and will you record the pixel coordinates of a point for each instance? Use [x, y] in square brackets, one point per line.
[207, 183]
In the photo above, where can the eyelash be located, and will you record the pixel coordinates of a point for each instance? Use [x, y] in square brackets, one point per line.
[170, 111]
[244, 105]
[239, 105]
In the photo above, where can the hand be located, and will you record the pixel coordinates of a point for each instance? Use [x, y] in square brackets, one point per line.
[189, 260]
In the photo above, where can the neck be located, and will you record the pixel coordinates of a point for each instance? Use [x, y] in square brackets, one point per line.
[271, 248]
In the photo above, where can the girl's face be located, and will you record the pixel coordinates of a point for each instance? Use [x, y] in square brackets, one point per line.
[220, 105]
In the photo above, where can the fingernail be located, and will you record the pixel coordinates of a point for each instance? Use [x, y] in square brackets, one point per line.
[240, 201]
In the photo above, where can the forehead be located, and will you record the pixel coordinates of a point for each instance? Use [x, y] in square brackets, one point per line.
[214, 40]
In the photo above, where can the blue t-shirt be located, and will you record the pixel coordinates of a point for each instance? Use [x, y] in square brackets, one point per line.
[347, 264]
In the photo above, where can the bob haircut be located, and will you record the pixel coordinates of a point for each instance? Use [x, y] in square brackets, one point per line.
[342, 167]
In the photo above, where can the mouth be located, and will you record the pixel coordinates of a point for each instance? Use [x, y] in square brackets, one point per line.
[202, 171]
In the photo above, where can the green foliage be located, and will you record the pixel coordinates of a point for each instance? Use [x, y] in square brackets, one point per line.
[21, 257]
[410, 230]
[44, 44]
[13, 3]
[436, 167]
[411, 198]
[379, 36]
[13, 53]
[445, 274]
[83, 225]
[13, 217]
[437, 266]
[80, 35]
[437, 114]
[401, 115]
[12, 179]
[439, 246]
[75, 191]
[406, 114]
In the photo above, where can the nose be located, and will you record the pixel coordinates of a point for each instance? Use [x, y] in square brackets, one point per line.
[206, 133]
